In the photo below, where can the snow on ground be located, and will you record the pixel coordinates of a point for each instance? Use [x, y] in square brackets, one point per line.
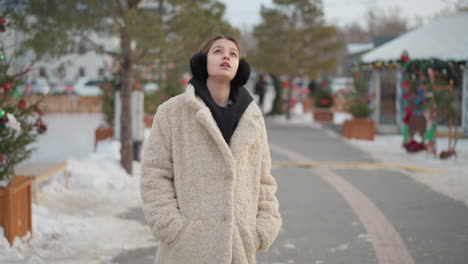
[80, 225]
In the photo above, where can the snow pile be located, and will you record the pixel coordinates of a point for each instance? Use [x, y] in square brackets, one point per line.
[81, 224]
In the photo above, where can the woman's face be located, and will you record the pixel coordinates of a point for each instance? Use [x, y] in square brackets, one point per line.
[223, 60]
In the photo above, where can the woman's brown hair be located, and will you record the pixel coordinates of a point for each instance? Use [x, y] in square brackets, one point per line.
[205, 47]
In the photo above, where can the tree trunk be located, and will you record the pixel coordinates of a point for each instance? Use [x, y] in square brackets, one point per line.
[278, 101]
[450, 134]
[126, 138]
[290, 90]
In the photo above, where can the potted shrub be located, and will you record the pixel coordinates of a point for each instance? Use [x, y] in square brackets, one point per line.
[20, 124]
[323, 102]
[357, 104]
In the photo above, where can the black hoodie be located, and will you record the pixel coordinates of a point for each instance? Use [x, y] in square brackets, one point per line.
[226, 117]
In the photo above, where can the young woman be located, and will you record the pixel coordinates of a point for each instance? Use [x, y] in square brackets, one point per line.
[206, 186]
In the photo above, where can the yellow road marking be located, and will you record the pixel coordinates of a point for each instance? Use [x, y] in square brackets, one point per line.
[352, 165]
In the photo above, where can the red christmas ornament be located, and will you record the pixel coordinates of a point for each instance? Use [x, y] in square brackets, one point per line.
[22, 104]
[2, 158]
[7, 86]
[2, 24]
[41, 127]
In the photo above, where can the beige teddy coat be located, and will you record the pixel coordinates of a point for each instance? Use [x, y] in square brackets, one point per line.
[205, 201]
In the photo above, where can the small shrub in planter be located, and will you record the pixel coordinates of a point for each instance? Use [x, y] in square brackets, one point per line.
[324, 97]
[323, 101]
[357, 104]
[359, 109]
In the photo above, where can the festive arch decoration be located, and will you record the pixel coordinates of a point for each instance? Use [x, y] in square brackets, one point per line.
[421, 80]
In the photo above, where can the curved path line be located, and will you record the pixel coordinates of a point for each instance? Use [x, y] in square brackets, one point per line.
[308, 163]
[387, 243]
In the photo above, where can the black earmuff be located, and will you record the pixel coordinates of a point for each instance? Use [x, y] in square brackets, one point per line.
[198, 66]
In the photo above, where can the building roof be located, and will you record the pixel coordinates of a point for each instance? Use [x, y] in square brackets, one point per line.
[444, 38]
[353, 48]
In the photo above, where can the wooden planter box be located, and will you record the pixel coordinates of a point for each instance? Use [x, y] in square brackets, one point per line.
[308, 104]
[102, 133]
[323, 115]
[15, 208]
[359, 128]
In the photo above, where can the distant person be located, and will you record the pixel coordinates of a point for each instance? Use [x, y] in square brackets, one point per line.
[206, 186]
[260, 89]
[312, 88]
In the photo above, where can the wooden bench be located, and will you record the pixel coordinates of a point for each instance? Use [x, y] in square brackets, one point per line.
[39, 172]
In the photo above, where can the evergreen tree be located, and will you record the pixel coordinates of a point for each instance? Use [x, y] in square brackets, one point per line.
[294, 40]
[20, 120]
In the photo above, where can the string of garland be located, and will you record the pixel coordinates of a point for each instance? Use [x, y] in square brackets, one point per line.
[451, 70]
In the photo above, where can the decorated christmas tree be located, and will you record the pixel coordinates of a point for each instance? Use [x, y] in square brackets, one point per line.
[20, 121]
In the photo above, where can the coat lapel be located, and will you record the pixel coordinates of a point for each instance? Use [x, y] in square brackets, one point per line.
[247, 131]
[245, 134]
[204, 116]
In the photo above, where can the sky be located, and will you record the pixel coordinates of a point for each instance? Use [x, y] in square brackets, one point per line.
[246, 13]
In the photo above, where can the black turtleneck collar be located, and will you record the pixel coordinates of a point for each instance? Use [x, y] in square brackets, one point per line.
[227, 117]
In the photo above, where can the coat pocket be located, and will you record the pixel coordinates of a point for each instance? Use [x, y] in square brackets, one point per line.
[180, 234]
[248, 235]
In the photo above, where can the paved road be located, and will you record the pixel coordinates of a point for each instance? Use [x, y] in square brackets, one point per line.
[334, 216]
